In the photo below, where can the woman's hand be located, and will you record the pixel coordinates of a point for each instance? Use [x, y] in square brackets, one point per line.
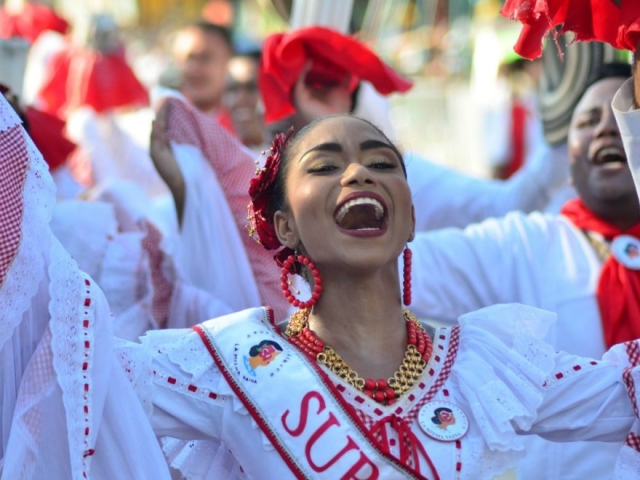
[165, 161]
[312, 102]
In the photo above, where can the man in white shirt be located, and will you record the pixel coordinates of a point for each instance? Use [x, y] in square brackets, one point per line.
[557, 262]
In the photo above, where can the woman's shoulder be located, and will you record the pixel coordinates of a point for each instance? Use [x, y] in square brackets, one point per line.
[181, 357]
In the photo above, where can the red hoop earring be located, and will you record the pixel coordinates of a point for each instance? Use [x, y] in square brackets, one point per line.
[406, 284]
[288, 267]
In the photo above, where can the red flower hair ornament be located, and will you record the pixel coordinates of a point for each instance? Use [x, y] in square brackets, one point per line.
[260, 217]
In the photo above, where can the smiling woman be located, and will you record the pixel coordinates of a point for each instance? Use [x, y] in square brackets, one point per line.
[368, 386]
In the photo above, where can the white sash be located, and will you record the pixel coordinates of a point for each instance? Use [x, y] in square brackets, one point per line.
[292, 403]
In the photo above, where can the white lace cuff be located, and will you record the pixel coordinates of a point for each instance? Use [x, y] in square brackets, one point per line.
[502, 365]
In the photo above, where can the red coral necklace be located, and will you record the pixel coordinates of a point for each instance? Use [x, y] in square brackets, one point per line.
[387, 391]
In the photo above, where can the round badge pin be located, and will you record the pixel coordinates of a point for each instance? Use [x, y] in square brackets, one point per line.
[443, 421]
[626, 249]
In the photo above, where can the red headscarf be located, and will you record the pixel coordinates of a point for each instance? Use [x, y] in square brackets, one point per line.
[618, 290]
[34, 19]
[81, 76]
[600, 20]
[334, 57]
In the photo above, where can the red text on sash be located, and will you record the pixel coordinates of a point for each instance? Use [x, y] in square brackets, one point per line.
[319, 436]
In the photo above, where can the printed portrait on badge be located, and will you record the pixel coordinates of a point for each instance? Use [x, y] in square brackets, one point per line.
[626, 250]
[443, 421]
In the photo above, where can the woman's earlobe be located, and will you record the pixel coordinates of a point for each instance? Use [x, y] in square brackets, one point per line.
[284, 226]
[412, 235]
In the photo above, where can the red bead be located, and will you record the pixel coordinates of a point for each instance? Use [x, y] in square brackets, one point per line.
[382, 384]
[368, 393]
[390, 393]
[378, 396]
[370, 384]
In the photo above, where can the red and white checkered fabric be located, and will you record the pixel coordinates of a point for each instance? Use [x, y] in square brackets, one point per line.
[633, 353]
[162, 286]
[14, 160]
[633, 441]
[442, 377]
[234, 168]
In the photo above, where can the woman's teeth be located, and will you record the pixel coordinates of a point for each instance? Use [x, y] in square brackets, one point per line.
[379, 210]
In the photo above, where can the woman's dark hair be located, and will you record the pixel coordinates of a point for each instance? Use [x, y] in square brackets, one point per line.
[256, 349]
[277, 200]
[436, 414]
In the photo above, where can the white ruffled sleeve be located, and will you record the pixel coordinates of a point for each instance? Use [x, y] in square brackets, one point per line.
[515, 383]
[501, 367]
[186, 398]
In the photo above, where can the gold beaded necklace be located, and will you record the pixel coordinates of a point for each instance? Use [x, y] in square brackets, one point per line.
[599, 245]
[387, 391]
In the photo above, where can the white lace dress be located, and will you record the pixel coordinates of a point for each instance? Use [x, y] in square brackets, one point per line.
[493, 366]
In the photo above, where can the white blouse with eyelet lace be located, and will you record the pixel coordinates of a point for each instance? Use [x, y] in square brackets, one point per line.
[500, 373]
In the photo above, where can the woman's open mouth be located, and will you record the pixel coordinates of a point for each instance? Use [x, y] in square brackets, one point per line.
[362, 214]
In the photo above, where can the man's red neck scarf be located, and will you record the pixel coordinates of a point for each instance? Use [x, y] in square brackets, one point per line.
[618, 289]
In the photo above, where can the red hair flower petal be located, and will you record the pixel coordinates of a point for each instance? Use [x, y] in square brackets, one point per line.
[260, 215]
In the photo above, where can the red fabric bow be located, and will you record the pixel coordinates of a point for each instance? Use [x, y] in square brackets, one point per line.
[618, 291]
[600, 20]
[334, 57]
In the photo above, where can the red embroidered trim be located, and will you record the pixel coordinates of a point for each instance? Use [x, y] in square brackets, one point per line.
[194, 390]
[88, 358]
[458, 458]
[569, 372]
